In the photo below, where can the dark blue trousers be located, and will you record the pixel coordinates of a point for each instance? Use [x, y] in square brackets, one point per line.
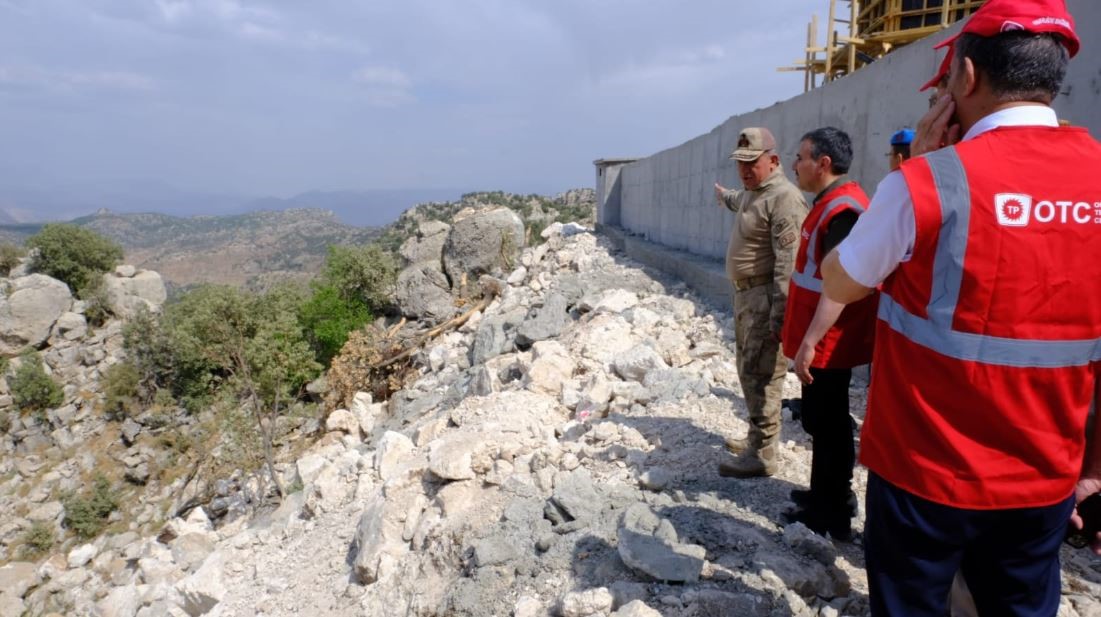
[913, 548]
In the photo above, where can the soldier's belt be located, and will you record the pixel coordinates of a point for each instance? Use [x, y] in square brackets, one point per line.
[753, 281]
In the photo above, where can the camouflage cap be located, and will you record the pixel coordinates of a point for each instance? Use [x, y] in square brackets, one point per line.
[752, 143]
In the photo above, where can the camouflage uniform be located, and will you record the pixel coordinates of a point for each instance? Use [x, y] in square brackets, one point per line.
[759, 262]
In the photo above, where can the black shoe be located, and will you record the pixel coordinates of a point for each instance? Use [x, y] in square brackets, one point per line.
[838, 526]
[802, 498]
[795, 405]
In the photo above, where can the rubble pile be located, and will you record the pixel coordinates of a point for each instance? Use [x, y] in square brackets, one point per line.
[555, 455]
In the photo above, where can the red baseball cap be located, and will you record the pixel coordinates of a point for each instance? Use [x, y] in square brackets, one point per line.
[997, 16]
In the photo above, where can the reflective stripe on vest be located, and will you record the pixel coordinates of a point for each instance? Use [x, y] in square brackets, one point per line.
[806, 278]
[936, 332]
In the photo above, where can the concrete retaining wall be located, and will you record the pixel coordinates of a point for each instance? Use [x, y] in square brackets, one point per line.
[668, 199]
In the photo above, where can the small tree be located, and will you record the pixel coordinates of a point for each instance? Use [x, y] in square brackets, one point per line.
[31, 388]
[245, 346]
[120, 389]
[362, 273]
[150, 351]
[73, 255]
[327, 319]
[87, 515]
[38, 539]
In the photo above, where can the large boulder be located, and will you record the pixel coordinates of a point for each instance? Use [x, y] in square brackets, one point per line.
[426, 248]
[29, 310]
[496, 334]
[127, 295]
[423, 292]
[545, 322]
[203, 590]
[648, 544]
[482, 242]
[378, 538]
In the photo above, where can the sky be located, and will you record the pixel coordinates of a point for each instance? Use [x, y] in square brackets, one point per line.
[278, 97]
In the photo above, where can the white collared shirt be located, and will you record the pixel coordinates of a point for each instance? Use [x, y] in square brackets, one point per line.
[883, 236]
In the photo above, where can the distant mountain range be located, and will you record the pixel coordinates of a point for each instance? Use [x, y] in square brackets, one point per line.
[369, 208]
[258, 248]
[253, 249]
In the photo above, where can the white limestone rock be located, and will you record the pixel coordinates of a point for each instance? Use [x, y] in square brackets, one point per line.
[124, 601]
[29, 311]
[125, 271]
[550, 368]
[82, 555]
[451, 457]
[587, 603]
[201, 592]
[637, 362]
[636, 608]
[127, 295]
[394, 449]
[17, 577]
[344, 421]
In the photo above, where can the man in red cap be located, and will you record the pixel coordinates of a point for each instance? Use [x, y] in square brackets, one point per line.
[988, 353]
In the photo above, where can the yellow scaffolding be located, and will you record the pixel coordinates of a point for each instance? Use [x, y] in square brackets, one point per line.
[875, 27]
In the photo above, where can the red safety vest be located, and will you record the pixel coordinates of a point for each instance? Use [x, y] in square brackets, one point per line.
[849, 342]
[988, 342]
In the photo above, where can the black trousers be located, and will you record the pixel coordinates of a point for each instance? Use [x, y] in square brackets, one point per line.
[913, 548]
[825, 417]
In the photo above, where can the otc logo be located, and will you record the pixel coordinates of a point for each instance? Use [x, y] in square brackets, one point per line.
[1013, 209]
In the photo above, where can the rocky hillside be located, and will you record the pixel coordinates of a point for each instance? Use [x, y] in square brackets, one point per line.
[260, 248]
[535, 211]
[254, 250]
[554, 455]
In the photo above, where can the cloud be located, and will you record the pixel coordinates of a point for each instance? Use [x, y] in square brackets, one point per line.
[671, 71]
[122, 80]
[319, 41]
[36, 76]
[257, 32]
[385, 86]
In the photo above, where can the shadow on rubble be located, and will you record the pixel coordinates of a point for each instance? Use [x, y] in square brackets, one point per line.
[693, 455]
[594, 559]
[744, 579]
[736, 520]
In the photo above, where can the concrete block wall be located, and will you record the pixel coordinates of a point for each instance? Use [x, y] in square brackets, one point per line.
[667, 198]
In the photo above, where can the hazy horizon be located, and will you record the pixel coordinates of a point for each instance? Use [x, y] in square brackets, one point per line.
[245, 99]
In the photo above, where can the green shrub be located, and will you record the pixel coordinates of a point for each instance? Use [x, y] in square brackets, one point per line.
[38, 539]
[10, 255]
[87, 515]
[223, 338]
[327, 319]
[73, 255]
[149, 351]
[31, 388]
[120, 389]
[97, 307]
[362, 273]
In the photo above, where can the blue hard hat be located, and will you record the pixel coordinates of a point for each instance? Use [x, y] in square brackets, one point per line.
[903, 137]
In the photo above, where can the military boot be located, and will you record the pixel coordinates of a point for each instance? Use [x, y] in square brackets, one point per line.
[736, 445]
[752, 463]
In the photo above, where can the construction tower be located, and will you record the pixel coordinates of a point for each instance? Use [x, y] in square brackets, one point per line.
[875, 27]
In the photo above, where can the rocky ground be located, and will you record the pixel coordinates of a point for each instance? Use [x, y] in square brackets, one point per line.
[556, 455]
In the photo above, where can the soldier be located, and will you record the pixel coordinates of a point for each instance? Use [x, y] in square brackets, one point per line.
[759, 260]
